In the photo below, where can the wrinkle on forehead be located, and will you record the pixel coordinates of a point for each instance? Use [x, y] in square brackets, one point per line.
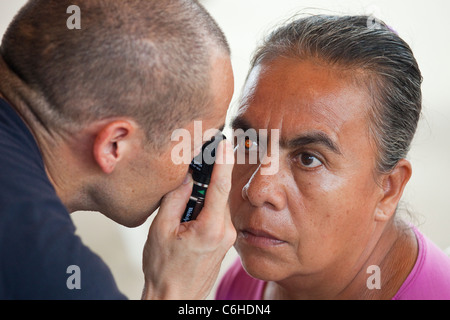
[323, 100]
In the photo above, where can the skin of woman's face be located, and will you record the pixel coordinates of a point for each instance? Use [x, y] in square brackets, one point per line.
[317, 215]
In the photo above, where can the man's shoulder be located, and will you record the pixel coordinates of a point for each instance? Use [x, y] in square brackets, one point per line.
[22, 176]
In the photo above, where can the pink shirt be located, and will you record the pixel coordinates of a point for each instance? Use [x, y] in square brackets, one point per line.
[429, 279]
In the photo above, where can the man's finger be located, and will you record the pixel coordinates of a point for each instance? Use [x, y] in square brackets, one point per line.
[174, 203]
[219, 188]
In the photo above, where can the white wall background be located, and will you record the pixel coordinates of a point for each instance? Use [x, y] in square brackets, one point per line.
[423, 24]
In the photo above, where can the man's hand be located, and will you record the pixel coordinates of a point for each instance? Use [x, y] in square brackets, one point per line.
[182, 260]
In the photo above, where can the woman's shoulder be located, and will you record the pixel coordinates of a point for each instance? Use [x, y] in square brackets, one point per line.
[236, 284]
[430, 276]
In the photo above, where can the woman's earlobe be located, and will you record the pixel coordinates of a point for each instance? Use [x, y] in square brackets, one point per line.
[381, 216]
[393, 184]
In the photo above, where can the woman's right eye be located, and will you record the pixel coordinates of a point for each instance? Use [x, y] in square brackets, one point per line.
[248, 144]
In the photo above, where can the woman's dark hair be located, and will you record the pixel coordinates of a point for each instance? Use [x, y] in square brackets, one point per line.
[376, 56]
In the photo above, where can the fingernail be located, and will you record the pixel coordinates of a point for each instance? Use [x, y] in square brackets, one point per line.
[187, 179]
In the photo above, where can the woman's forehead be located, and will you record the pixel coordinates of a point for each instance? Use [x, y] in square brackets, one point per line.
[291, 95]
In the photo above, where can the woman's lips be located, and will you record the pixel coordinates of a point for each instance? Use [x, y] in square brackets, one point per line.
[259, 238]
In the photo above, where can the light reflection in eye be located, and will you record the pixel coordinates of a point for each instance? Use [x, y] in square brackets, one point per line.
[249, 143]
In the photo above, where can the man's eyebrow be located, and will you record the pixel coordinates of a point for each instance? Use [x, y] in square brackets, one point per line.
[315, 137]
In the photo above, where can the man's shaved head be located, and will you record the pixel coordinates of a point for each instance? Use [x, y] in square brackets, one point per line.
[149, 60]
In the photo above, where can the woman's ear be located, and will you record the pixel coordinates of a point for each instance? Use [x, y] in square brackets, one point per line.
[393, 185]
[111, 144]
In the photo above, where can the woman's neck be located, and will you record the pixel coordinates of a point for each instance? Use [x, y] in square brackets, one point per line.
[379, 276]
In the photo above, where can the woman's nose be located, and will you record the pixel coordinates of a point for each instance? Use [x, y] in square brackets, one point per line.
[265, 190]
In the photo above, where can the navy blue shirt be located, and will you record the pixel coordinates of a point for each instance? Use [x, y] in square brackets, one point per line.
[38, 245]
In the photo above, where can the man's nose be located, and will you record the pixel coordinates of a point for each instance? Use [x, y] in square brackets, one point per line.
[265, 190]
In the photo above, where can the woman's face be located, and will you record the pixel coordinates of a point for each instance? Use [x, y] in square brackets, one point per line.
[317, 213]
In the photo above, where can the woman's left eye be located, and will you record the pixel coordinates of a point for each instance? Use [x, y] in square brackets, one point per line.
[308, 160]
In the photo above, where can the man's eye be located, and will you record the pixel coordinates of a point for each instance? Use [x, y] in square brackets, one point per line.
[308, 160]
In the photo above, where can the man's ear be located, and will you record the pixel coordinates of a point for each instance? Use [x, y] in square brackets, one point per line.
[393, 185]
[111, 143]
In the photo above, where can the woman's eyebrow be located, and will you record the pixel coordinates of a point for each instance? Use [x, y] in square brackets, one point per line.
[315, 137]
[240, 123]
